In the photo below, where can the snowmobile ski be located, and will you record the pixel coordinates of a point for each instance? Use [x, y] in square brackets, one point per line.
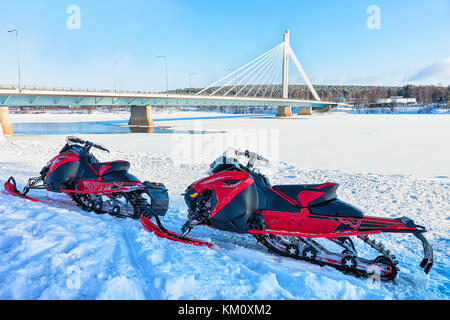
[160, 231]
[11, 187]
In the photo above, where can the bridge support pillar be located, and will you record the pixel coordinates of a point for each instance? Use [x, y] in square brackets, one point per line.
[5, 121]
[284, 112]
[305, 111]
[141, 116]
[328, 108]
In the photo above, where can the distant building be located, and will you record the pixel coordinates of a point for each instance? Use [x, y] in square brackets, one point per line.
[396, 100]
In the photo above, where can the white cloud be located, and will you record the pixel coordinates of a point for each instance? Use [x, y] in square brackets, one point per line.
[438, 71]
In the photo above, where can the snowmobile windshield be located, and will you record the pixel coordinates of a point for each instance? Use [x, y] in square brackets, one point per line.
[74, 148]
[223, 163]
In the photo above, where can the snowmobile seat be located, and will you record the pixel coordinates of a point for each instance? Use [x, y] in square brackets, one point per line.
[307, 195]
[336, 208]
[108, 167]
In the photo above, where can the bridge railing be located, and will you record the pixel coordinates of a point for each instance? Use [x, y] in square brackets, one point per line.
[75, 89]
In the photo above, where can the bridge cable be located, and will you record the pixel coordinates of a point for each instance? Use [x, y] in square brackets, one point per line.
[269, 73]
[263, 72]
[273, 74]
[249, 70]
[229, 75]
[276, 74]
[257, 70]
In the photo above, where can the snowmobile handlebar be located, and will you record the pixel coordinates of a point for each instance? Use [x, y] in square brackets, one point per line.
[71, 140]
[89, 145]
[252, 156]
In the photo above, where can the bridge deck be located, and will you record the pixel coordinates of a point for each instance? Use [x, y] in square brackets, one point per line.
[49, 97]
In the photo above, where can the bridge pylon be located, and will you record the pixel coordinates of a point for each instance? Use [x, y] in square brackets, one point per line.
[141, 116]
[5, 121]
[289, 53]
[305, 111]
[285, 111]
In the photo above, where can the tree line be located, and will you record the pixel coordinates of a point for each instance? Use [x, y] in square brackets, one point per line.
[352, 94]
[343, 93]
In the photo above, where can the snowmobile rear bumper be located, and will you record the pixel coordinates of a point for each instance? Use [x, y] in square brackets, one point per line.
[427, 261]
[159, 197]
[418, 232]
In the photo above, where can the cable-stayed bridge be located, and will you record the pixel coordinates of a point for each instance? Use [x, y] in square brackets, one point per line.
[252, 85]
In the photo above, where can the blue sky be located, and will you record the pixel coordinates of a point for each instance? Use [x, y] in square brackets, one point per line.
[330, 38]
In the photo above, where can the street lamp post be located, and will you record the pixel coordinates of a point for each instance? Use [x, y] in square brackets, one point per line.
[17, 49]
[190, 79]
[114, 72]
[167, 77]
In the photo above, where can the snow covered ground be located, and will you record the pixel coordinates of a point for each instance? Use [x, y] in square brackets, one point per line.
[385, 165]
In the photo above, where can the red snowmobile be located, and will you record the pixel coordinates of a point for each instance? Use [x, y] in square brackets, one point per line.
[94, 186]
[287, 218]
